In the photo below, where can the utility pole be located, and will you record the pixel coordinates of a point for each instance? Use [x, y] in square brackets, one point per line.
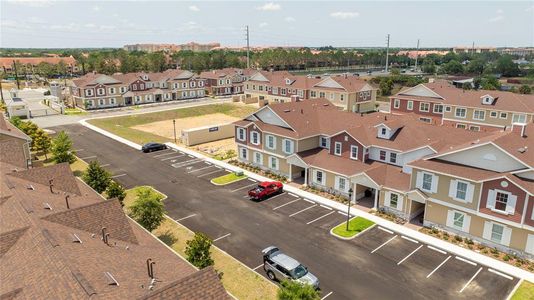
[416, 55]
[248, 47]
[16, 74]
[387, 55]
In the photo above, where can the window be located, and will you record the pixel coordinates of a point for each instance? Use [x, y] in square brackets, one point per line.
[427, 182]
[100, 91]
[273, 163]
[383, 131]
[393, 158]
[460, 112]
[503, 115]
[258, 158]
[313, 94]
[201, 83]
[341, 97]
[283, 92]
[100, 102]
[184, 85]
[260, 88]
[382, 155]
[426, 120]
[458, 220]
[112, 101]
[134, 87]
[474, 128]
[393, 200]
[497, 232]
[321, 94]
[254, 138]
[332, 96]
[493, 114]
[90, 103]
[448, 108]
[354, 152]
[409, 105]
[112, 90]
[479, 114]
[142, 86]
[325, 142]
[341, 184]
[89, 92]
[461, 190]
[123, 89]
[243, 153]
[438, 108]
[519, 118]
[396, 103]
[319, 177]
[137, 99]
[288, 146]
[193, 84]
[461, 126]
[337, 148]
[241, 134]
[423, 106]
[271, 142]
[501, 200]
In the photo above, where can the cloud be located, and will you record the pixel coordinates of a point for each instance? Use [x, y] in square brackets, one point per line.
[263, 24]
[269, 6]
[194, 8]
[290, 19]
[90, 25]
[344, 14]
[96, 8]
[32, 3]
[530, 8]
[496, 19]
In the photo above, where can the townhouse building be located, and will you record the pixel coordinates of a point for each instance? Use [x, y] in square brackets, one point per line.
[443, 103]
[345, 91]
[227, 81]
[96, 91]
[380, 160]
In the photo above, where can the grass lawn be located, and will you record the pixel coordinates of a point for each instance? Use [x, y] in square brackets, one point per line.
[237, 279]
[228, 178]
[356, 225]
[75, 111]
[121, 126]
[525, 291]
[78, 167]
[131, 194]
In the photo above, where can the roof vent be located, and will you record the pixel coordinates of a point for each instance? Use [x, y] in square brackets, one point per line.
[47, 206]
[110, 279]
[30, 187]
[326, 104]
[475, 142]
[287, 110]
[522, 149]
[76, 239]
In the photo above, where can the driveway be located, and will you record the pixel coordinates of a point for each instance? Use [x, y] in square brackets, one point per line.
[379, 264]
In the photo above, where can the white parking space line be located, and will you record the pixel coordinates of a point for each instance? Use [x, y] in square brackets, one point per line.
[167, 158]
[209, 173]
[342, 213]
[285, 204]
[386, 230]
[190, 155]
[298, 212]
[120, 175]
[222, 237]
[326, 207]
[325, 215]
[436, 249]
[407, 256]
[165, 154]
[409, 239]
[200, 169]
[186, 163]
[385, 243]
[293, 195]
[243, 187]
[88, 157]
[500, 274]
[307, 200]
[257, 267]
[276, 196]
[105, 165]
[472, 278]
[250, 179]
[465, 260]
[190, 216]
[326, 295]
[442, 263]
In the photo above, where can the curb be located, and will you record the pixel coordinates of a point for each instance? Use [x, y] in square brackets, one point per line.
[352, 237]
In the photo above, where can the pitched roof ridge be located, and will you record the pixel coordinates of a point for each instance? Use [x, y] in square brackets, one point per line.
[66, 180]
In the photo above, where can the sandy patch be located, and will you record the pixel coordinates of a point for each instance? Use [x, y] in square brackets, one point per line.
[217, 147]
[165, 128]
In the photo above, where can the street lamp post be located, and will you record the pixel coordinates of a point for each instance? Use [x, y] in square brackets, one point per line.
[174, 125]
[348, 207]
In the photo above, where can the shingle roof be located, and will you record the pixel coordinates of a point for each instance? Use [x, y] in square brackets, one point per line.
[60, 174]
[8, 239]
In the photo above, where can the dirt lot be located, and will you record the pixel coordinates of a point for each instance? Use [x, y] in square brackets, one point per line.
[165, 128]
[217, 147]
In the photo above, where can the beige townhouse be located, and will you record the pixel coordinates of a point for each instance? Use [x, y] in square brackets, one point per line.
[442, 103]
[345, 91]
[227, 81]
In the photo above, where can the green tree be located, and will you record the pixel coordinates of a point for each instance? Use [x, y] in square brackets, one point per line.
[428, 66]
[453, 67]
[198, 251]
[525, 89]
[62, 149]
[386, 85]
[96, 177]
[476, 67]
[294, 290]
[115, 190]
[42, 142]
[506, 66]
[395, 71]
[148, 209]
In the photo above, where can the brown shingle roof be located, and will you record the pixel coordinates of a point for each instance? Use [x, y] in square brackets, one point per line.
[8, 239]
[11, 152]
[61, 174]
[390, 176]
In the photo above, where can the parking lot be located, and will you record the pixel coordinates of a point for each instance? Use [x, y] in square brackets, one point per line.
[378, 264]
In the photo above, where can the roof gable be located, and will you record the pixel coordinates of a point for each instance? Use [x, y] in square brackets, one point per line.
[259, 77]
[105, 79]
[329, 83]
[267, 115]
[421, 91]
[184, 75]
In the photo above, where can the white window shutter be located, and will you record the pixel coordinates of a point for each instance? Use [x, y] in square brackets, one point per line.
[490, 203]
[486, 234]
[510, 205]
[530, 244]
[450, 218]
[400, 201]
[419, 180]
[387, 198]
[506, 236]
[452, 189]
[467, 223]
[435, 180]
[470, 192]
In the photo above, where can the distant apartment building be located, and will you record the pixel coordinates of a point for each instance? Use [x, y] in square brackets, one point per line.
[344, 91]
[32, 62]
[443, 103]
[477, 184]
[517, 51]
[192, 46]
[95, 91]
[478, 49]
[227, 81]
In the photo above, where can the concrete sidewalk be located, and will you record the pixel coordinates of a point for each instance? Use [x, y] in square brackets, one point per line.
[443, 245]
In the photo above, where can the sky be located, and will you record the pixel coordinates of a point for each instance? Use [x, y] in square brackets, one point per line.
[77, 24]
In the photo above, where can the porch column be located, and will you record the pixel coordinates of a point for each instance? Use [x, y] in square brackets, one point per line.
[376, 199]
[305, 176]
[290, 177]
[353, 200]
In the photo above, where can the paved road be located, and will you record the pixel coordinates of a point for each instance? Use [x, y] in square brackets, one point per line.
[379, 264]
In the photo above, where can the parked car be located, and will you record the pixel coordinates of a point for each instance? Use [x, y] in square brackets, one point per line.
[280, 266]
[149, 147]
[266, 189]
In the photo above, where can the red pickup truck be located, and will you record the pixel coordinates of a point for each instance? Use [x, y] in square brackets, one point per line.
[266, 189]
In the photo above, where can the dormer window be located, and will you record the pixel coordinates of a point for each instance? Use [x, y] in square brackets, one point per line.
[487, 99]
[383, 131]
[145, 77]
[288, 81]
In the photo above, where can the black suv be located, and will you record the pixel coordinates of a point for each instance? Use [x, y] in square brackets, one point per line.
[149, 147]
